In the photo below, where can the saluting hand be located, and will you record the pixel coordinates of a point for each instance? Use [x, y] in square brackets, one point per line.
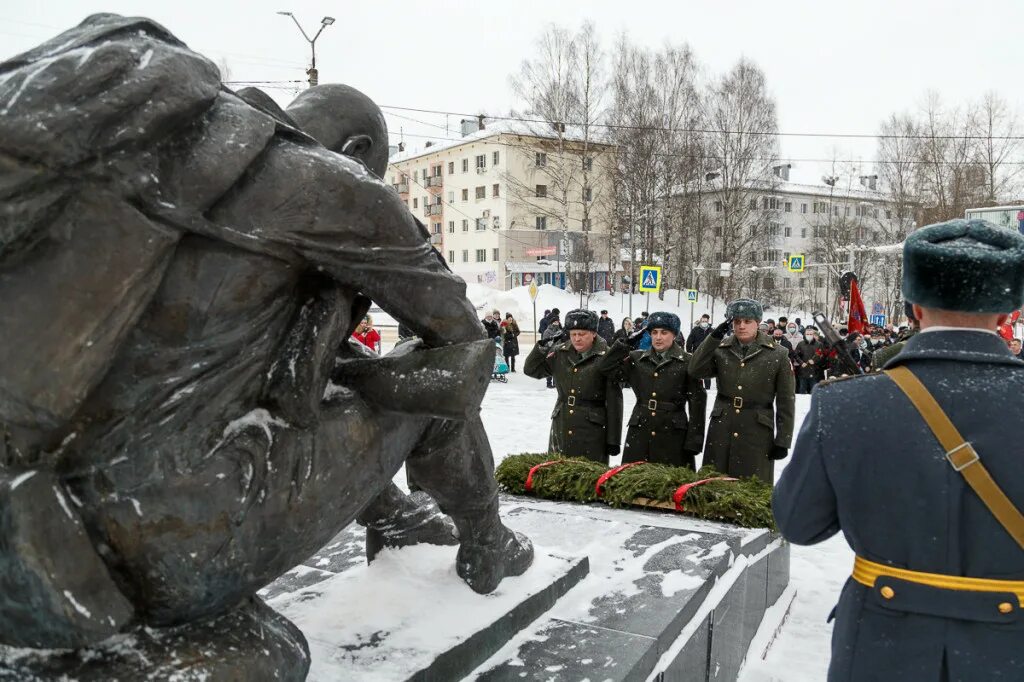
[720, 331]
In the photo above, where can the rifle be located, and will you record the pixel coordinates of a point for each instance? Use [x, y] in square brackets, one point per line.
[831, 336]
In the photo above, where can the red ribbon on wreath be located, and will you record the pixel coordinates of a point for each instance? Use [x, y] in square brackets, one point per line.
[681, 491]
[533, 470]
[611, 472]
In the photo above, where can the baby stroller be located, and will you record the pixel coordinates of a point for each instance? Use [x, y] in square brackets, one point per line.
[500, 372]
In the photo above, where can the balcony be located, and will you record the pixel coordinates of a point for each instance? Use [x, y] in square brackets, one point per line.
[433, 181]
[433, 209]
[435, 239]
[401, 187]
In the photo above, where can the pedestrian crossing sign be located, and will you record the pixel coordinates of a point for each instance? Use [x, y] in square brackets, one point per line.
[796, 262]
[691, 295]
[650, 278]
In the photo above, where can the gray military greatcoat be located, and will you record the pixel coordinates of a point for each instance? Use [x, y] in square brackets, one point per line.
[865, 463]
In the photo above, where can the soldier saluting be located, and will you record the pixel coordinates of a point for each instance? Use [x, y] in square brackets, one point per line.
[752, 419]
[667, 424]
[937, 590]
[587, 419]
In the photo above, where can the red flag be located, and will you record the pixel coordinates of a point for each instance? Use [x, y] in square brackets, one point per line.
[858, 321]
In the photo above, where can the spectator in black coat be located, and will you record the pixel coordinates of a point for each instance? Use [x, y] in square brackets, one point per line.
[606, 327]
[699, 332]
[491, 326]
[552, 314]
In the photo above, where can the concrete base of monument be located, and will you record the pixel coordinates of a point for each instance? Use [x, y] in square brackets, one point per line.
[615, 594]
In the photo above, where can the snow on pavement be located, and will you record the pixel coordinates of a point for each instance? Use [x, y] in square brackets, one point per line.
[517, 417]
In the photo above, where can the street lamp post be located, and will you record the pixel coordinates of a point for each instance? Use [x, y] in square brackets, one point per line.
[314, 76]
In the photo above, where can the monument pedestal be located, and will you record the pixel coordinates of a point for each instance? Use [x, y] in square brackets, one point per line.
[614, 594]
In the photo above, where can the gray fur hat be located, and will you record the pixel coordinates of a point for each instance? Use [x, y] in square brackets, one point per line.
[661, 320]
[585, 320]
[967, 265]
[744, 308]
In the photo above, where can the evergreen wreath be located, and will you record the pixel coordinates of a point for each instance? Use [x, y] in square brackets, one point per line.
[744, 502]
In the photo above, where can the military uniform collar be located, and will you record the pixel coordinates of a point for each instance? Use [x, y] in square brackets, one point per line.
[600, 347]
[961, 346]
[673, 352]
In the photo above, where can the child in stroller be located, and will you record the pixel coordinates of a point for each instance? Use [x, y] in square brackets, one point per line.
[500, 372]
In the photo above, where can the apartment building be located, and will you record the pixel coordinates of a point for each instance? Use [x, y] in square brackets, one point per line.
[508, 204]
[831, 224]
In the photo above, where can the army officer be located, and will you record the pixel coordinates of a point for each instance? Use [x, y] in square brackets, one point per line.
[752, 419]
[587, 418]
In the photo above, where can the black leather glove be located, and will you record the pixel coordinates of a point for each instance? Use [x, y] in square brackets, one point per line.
[611, 450]
[720, 331]
[633, 336]
[778, 452]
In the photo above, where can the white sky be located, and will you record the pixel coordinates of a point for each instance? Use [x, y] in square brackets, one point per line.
[833, 67]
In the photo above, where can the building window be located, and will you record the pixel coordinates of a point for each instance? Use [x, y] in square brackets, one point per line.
[803, 208]
[495, 158]
[494, 254]
[451, 197]
[753, 204]
[465, 255]
[588, 163]
[465, 226]
[888, 214]
[541, 159]
[465, 165]
[481, 192]
[415, 202]
[586, 224]
[495, 191]
[819, 282]
[774, 229]
[451, 256]
[788, 231]
[481, 255]
[788, 207]
[846, 211]
[437, 228]
[424, 173]
[465, 194]
[588, 194]
[437, 200]
[542, 222]
[801, 283]
[451, 168]
[437, 171]
[481, 224]
[542, 191]
[718, 207]
[451, 227]
[481, 161]
[803, 233]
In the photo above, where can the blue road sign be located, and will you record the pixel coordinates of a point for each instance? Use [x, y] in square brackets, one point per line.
[877, 320]
[691, 295]
[650, 278]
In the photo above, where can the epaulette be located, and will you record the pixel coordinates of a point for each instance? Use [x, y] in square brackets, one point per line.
[846, 377]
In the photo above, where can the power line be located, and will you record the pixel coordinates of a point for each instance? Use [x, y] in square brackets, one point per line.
[705, 131]
[707, 157]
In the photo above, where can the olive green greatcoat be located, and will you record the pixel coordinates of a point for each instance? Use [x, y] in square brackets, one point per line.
[591, 427]
[671, 404]
[884, 355]
[755, 406]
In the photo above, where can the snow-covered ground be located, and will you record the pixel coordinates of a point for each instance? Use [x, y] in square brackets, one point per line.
[516, 416]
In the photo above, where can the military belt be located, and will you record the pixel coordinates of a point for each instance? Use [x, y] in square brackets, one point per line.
[573, 401]
[661, 406]
[867, 572]
[740, 404]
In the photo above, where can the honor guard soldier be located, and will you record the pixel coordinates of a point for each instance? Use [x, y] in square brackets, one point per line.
[667, 424]
[937, 588]
[587, 419]
[751, 421]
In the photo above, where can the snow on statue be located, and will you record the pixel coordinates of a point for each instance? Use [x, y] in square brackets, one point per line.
[179, 266]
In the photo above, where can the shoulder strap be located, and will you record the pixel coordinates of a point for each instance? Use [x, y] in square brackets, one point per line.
[960, 454]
